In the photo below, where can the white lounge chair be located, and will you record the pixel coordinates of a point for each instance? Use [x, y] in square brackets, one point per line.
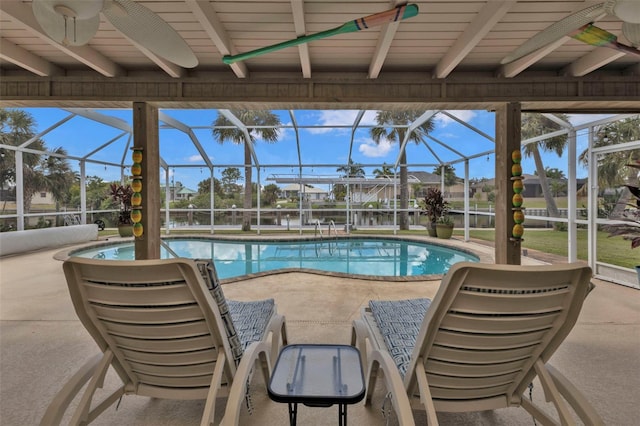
[479, 344]
[166, 329]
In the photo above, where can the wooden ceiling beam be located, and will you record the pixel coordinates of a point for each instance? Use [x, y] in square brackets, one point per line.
[484, 21]
[297, 7]
[24, 59]
[211, 24]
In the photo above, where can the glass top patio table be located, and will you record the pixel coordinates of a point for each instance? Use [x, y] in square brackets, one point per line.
[317, 375]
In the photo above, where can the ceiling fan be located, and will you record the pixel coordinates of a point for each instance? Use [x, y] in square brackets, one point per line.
[75, 22]
[580, 26]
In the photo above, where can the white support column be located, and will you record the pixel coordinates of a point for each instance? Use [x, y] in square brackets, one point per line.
[592, 200]
[167, 200]
[212, 201]
[442, 169]
[83, 192]
[19, 192]
[466, 200]
[572, 237]
[395, 202]
[258, 199]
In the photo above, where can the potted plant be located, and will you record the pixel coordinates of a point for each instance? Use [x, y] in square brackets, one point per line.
[121, 194]
[434, 207]
[444, 227]
[630, 229]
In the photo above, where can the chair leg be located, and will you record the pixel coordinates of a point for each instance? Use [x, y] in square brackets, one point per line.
[83, 412]
[60, 403]
[552, 394]
[575, 398]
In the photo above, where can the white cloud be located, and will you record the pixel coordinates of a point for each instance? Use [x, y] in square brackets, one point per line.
[369, 148]
[445, 120]
[340, 118]
[197, 158]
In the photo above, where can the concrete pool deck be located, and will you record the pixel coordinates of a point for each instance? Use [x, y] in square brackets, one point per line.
[42, 343]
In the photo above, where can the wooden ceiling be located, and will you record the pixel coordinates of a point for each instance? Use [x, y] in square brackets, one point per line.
[450, 47]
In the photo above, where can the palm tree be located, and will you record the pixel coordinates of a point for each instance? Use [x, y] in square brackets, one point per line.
[534, 124]
[351, 170]
[222, 133]
[384, 132]
[16, 127]
[58, 177]
[612, 170]
[383, 172]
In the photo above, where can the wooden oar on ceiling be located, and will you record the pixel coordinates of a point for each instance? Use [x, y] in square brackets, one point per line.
[396, 14]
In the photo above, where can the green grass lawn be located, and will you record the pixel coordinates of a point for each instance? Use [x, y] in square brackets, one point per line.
[613, 250]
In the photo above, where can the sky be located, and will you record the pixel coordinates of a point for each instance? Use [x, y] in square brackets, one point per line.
[322, 149]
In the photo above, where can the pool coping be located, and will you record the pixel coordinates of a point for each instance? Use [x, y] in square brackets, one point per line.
[453, 243]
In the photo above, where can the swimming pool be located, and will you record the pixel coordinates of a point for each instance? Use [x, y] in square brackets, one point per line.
[354, 256]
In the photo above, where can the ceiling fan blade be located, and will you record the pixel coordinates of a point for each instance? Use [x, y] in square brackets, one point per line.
[147, 29]
[632, 32]
[596, 36]
[68, 22]
[398, 13]
[556, 31]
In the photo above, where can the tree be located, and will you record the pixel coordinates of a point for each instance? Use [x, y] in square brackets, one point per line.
[450, 178]
[385, 132]
[351, 170]
[612, 170]
[52, 173]
[58, 177]
[230, 177]
[536, 124]
[222, 133]
[383, 172]
[270, 194]
[204, 186]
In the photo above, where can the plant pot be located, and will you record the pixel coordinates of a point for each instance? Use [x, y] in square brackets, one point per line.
[431, 229]
[444, 231]
[125, 230]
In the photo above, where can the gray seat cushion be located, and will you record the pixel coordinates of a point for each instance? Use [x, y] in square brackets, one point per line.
[251, 319]
[399, 322]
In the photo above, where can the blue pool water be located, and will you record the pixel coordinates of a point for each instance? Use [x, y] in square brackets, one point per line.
[362, 256]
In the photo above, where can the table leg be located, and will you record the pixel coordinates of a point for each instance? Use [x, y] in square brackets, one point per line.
[342, 414]
[293, 413]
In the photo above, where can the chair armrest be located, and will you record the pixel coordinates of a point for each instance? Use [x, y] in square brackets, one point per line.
[257, 351]
[381, 360]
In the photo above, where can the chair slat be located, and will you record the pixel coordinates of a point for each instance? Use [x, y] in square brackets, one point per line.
[174, 371]
[176, 382]
[159, 315]
[175, 294]
[464, 356]
[478, 393]
[166, 346]
[158, 331]
[177, 358]
[470, 383]
[497, 324]
[489, 303]
[472, 370]
[488, 341]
